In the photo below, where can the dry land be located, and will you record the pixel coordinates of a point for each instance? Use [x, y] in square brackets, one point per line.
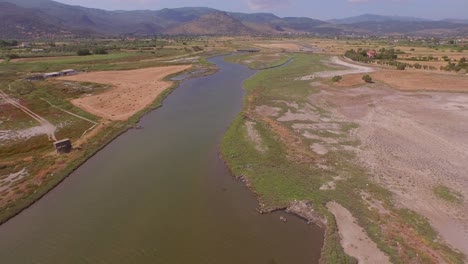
[131, 92]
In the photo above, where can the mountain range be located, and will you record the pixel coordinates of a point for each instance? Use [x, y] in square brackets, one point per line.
[29, 19]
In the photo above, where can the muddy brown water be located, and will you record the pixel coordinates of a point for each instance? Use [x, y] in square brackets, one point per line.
[161, 194]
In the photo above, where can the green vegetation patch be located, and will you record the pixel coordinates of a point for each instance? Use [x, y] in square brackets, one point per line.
[447, 194]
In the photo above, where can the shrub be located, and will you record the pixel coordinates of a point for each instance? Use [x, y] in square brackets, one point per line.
[83, 52]
[401, 66]
[100, 51]
[12, 56]
[337, 78]
[367, 78]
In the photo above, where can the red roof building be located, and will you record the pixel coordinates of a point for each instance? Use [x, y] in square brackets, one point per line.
[371, 54]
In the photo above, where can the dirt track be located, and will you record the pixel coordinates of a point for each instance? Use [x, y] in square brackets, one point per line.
[133, 90]
[353, 69]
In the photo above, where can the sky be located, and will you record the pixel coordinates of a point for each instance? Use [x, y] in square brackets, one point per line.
[319, 9]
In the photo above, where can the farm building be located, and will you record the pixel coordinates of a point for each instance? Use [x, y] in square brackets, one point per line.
[68, 72]
[51, 74]
[60, 73]
[63, 146]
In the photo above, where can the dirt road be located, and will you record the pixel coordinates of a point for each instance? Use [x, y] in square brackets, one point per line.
[354, 69]
[45, 126]
[132, 91]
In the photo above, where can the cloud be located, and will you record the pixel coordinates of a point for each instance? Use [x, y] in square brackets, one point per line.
[267, 4]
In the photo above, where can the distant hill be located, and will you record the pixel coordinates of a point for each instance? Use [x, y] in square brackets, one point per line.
[49, 19]
[375, 18]
[457, 21]
[217, 23]
[408, 28]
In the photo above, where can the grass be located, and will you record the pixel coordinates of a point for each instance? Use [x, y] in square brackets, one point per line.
[278, 180]
[447, 194]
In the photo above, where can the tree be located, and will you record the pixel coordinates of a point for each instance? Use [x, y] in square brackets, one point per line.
[337, 78]
[401, 66]
[83, 52]
[100, 51]
[367, 78]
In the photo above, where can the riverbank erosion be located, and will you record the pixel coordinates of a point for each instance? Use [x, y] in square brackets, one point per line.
[296, 141]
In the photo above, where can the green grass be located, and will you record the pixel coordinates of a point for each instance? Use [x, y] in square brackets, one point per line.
[447, 194]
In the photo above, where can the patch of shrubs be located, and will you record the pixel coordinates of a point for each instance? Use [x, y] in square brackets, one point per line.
[83, 52]
[336, 78]
[367, 78]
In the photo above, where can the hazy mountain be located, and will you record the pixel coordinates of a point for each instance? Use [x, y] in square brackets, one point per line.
[375, 18]
[407, 28]
[457, 21]
[47, 18]
[217, 23]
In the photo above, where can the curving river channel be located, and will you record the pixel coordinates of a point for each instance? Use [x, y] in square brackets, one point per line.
[162, 195]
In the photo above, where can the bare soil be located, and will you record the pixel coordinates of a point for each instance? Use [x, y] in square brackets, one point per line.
[411, 143]
[132, 91]
[413, 80]
[291, 47]
[354, 239]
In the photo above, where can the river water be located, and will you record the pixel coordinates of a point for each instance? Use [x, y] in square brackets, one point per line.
[162, 195]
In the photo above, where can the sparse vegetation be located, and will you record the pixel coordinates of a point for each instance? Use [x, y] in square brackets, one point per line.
[447, 194]
[337, 78]
[367, 78]
[83, 52]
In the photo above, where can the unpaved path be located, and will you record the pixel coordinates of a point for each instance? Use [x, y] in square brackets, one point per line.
[45, 128]
[354, 239]
[132, 91]
[355, 69]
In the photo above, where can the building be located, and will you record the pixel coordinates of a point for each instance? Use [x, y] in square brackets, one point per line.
[60, 73]
[68, 72]
[51, 75]
[372, 54]
[63, 146]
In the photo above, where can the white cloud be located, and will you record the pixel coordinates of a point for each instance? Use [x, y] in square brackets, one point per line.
[267, 4]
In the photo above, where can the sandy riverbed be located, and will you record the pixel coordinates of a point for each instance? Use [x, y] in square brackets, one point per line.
[132, 91]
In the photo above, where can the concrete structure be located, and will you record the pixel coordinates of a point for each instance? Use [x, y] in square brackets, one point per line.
[63, 146]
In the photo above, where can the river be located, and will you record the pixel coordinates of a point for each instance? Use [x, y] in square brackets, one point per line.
[162, 195]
